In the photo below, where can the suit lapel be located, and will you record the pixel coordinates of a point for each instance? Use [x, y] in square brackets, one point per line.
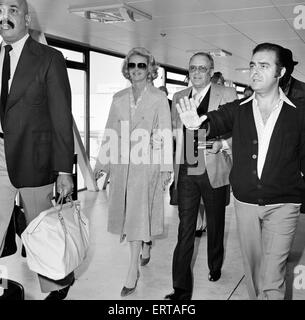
[26, 70]
[215, 97]
[185, 93]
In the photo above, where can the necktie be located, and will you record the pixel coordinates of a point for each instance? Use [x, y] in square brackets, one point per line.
[6, 73]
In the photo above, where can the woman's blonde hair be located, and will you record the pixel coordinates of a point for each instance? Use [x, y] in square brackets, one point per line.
[151, 63]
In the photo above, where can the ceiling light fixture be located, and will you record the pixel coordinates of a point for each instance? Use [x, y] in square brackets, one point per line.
[244, 70]
[220, 53]
[110, 13]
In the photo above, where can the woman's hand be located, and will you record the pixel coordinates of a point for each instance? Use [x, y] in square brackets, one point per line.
[165, 179]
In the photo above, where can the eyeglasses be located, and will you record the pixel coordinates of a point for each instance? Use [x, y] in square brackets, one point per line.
[202, 69]
[140, 65]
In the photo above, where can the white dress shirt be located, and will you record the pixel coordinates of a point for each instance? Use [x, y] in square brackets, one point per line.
[14, 58]
[264, 131]
[198, 96]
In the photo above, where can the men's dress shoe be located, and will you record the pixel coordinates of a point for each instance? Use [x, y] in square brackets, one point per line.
[178, 295]
[214, 276]
[127, 291]
[60, 294]
[144, 261]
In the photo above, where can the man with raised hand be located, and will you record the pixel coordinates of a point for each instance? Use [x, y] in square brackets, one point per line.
[268, 134]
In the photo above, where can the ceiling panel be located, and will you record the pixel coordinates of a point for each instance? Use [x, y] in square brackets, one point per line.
[215, 30]
[255, 14]
[266, 30]
[215, 5]
[187, 43]
[180, 27]
[286, 10]
[238, 45]
[287, 2]
[159, 8]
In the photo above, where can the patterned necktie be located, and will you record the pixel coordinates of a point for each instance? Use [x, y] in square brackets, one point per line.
[6, 74]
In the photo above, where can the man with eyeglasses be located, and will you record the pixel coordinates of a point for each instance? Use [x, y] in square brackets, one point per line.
[268, 134]
[207, 177]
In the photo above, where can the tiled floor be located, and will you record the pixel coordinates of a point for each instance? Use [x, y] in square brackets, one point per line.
[102, 274]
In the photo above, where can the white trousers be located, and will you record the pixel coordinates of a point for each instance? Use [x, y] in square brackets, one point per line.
[34, 200]
[266, 234]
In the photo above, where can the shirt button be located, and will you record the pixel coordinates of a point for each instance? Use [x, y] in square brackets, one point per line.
[254, 156]
[254, 141]
[259, 186]
[254, 172]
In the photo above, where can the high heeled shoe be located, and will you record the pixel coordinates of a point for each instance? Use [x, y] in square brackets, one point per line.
[144, 261]
[127, 291]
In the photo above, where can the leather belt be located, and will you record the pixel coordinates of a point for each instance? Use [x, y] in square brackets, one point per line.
[1, 135]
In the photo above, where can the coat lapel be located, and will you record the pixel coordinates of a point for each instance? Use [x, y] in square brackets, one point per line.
[26, 71]
[274, 140]
[215, 97]
[184, 93]
[123, 105]
[142, 105]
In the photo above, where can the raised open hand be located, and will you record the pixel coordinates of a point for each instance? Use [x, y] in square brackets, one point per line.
[187, 110]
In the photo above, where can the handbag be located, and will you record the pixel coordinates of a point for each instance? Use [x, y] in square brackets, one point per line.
[173, 194]
[57, 240]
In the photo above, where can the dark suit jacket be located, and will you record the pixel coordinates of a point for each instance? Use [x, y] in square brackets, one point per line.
[37, 124]
[297, 90]
[218, 165]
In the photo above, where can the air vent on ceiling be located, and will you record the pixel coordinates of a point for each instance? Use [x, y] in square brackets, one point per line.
[110, 13]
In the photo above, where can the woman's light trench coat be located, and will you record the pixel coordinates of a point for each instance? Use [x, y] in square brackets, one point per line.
[135, 192]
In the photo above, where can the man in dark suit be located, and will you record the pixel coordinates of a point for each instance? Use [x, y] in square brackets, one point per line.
[293, 88]
[36, 137]
[210, 184]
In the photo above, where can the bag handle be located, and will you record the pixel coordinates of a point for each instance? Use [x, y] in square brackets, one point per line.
[60, 202]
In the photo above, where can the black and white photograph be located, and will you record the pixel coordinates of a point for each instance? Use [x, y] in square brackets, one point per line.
[152, 153]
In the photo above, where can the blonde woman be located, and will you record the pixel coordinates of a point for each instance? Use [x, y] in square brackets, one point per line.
[138, 172]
